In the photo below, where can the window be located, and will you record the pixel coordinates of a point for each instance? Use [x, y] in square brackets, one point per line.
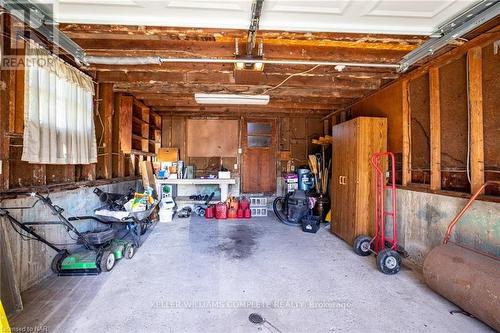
[58, 111]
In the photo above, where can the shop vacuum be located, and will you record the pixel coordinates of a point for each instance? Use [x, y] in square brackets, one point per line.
[293, 209]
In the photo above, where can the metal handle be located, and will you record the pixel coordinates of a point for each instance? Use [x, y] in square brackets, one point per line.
[342, 180]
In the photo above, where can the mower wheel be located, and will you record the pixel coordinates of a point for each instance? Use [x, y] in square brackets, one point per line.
[129, 251]
[362, 246]
[57, 261]
[107, 261]
[388, 261]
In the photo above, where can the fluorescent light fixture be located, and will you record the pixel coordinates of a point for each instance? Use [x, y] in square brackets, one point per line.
[231, 99]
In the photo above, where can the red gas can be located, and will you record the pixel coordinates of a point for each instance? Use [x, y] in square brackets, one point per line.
[239, 213]
[244, 203]
[221, 210]
[247, 213]
[210, 212]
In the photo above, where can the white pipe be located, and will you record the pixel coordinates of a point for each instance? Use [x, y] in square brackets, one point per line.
[122, 60]
[278, 62]
[159, 60]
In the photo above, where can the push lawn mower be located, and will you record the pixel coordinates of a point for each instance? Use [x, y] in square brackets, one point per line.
[99, 249]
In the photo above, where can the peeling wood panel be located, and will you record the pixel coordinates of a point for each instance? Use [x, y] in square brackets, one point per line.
[179, 136]
[420, 129]
[58, 174]
[387, 103]
[453, 122]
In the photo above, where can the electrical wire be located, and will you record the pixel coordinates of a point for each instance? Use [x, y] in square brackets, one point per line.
[289, 77]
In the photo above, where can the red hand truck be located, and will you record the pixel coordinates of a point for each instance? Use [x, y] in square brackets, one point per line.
[388, 259]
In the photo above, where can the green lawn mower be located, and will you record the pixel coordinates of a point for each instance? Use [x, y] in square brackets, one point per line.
[98, 251]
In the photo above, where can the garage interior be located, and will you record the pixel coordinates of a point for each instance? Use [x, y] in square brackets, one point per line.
[238, 166]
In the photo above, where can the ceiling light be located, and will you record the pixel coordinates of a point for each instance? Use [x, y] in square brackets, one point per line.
[248, 66]
[231, 99]
[339, 68]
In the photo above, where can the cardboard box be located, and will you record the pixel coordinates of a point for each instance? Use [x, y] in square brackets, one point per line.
[168, 155]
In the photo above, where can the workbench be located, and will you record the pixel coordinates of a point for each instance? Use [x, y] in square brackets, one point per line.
[223, 184]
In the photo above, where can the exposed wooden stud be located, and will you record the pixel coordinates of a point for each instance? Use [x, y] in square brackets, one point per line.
[474, 60]
[122, 132]
[435, 128]
[106, 113]
[406, 117]
[6, 104]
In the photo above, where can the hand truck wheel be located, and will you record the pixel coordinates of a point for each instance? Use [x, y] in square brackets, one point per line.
[362, 245]
[388, 261]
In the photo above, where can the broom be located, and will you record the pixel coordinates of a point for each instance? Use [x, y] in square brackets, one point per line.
[313, 165]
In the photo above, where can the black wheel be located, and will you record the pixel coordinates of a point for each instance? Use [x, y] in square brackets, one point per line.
[107, 261]
[142, 227]
[362, 246]
[129, 251]
[388, 261]
[57, 261]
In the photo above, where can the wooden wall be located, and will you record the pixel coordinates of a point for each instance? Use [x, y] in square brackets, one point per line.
[428, 113]
[16, 174]
[294, 141]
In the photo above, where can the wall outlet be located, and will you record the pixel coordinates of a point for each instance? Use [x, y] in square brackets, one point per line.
[240, 151]
[235, 166]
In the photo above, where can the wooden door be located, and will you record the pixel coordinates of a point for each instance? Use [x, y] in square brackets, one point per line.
[259, 156]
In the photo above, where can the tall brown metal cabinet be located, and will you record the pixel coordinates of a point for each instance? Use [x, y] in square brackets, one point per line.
[354, 142]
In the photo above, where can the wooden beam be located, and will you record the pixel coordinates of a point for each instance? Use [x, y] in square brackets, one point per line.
[406, 115]
[235, 109]
[335, 90]
[435, 128]
[474, 60]
[105, 166]
[272, 104]
[260, 78]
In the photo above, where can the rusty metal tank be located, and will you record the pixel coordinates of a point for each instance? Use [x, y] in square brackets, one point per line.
[466, 278]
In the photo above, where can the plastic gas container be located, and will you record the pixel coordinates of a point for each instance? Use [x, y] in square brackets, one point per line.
[221, 210]
[244, 203]
[232, 213]
[247, 213]
[210, 212]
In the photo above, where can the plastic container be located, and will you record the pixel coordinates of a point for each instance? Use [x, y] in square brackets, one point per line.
[244, 203]
[166, 214]
[210, 212]
[247, 213]
[221, 210]
[239, 213]
[234, 204]
[232, 213]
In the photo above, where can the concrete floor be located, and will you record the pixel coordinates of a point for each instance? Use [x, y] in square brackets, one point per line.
[199, 276]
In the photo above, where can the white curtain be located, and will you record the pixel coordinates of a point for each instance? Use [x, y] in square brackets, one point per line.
[58, 112]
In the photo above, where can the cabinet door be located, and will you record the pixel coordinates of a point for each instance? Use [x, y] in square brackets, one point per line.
[336, 187]
[350, 183]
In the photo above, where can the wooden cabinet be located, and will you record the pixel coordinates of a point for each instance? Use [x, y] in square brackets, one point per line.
[354, 142]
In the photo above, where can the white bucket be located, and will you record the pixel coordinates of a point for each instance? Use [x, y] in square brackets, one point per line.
[166, 215]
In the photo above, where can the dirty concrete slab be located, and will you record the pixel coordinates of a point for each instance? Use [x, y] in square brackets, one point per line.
[208, 276]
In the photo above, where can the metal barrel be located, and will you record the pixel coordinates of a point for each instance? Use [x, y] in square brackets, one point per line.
[468, 279]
